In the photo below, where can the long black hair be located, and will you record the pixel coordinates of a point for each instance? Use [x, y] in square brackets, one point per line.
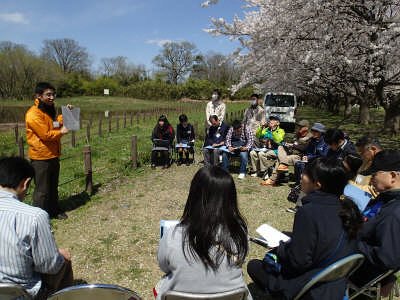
[162, 130]
[332, 176]
[212, 219]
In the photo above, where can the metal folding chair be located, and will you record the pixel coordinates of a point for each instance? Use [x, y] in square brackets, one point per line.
[373, 288]
[12, 291]
[237, 294]
[339, 269]
[95, 292]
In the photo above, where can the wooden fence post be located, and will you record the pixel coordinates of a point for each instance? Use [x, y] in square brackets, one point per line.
[226, 117]
[100, 127]
[124, 119]
[109, 124]
[90, 119]
[88, 132]
[117, 124]
[21, 146]
[196, 128]
[16, 133]
[87, 154]
[131, 119]
[73, 138]
[134, 151]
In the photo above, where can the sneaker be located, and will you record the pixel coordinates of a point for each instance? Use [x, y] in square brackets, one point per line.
[268, 182]
[292, 210]
[241, 176]
[153, 166]
[265, 176]
[282, 167]
[253, 174]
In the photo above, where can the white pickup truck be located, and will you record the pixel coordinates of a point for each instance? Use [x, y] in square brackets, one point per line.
[283, 105]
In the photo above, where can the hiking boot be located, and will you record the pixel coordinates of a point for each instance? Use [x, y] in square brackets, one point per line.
[268, 182]
[282, 168]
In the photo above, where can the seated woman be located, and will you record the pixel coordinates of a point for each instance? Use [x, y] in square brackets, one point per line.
[324, 230]
[184, 136]
[204, 253]
[162, 137]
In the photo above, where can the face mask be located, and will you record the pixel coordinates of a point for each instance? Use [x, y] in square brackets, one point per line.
[214, 97]
[253, 102]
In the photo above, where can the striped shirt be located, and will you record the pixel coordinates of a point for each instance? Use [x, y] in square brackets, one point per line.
[27, 246]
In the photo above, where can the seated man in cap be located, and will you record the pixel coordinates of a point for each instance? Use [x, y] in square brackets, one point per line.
[379, 241]
[289, 153]
[28, 253]
[269, 135]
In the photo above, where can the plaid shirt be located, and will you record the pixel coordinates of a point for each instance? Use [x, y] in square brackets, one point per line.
[245, 136]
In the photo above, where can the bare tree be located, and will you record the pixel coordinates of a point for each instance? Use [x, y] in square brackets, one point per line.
[176, 59]
[125, 72]
[67, 54]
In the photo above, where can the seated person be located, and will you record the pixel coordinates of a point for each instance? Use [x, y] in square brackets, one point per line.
[380, 242]
[325, 230]
[204, 253]
[315, 148]
[29, 255]
[289, 153]
[162, 137]
[184, 135]
[239, 141]
[339, 145]
[215, 138]
[269, 135]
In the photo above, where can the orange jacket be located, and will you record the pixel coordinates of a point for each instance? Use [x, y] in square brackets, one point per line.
[43, 134]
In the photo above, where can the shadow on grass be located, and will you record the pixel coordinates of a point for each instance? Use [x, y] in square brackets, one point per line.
[78, 200]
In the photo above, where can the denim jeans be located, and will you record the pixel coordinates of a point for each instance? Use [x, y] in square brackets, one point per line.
[244, 158]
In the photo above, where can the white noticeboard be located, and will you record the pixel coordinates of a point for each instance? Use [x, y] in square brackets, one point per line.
[106, 92]
[71, 117]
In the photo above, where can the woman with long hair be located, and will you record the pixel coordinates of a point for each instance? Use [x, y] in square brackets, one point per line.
[204, 253]
[162, 137]
[325, 230]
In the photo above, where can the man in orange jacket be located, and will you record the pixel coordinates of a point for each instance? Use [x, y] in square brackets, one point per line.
[44, 131]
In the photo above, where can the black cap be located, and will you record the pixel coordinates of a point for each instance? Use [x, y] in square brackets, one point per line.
[385, 160]
[275, 117]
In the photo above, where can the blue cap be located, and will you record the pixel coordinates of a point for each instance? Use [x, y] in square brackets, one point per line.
[318, 127]
[275, 117]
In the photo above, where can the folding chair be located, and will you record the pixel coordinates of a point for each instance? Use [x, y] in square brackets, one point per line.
[237, 294]
[12, 291]
[373, 288]
[165, 146]
[95, 292]
[192, 150]
[339, 269]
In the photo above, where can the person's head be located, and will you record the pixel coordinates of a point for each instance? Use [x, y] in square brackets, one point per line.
[274, 122]
[352, 162]
[163, 121]
[45, 93]
[254, 100]
[302, 126]
[211, 217]
[385, 170]
[317, 130]
[183, 119]
[15, 175]
[368, 147]
[334, 138]
[237, 126]
[216, 94]
[214, 120]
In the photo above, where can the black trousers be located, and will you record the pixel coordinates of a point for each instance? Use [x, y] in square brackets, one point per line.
[45, 194]
[164, 156]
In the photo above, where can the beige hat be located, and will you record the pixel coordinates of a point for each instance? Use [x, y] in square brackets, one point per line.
[303, 123]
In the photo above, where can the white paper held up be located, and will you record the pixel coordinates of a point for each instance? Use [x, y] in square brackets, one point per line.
[71, 117]
[272, 235]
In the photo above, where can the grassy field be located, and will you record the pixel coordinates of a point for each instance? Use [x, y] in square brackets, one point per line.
[114, 233]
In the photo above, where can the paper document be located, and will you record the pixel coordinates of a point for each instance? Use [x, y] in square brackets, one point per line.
[71, 117]
[360, 197]
[272, 235]
[222, 148]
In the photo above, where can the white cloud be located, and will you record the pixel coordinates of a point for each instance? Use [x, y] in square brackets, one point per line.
[14, 18]
[158, 42]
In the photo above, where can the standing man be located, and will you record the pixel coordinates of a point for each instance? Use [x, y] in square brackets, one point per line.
[28, 253]
[43, 132]
[254, 116]
[215, 107]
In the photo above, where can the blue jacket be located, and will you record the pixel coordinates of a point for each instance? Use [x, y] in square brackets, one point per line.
[217, 135]
[347, 148]
[316, 148]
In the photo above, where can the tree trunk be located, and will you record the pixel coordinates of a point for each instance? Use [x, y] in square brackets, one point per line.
[392, 117]
[348, 107]
[364, 113]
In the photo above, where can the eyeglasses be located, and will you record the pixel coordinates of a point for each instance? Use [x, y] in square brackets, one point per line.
[48, 95]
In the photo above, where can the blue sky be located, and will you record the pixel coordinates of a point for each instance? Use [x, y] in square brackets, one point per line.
[108, 28]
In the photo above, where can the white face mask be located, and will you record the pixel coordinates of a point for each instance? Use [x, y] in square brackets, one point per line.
[215, 97]
[253, 102]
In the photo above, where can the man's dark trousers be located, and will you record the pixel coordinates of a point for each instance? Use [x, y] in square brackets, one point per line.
[45, 194]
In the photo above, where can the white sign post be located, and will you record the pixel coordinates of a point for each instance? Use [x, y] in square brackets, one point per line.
[106, 92]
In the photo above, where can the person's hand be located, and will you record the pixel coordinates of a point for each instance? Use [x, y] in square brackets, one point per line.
[214, 145]
[64, 130]
[66, 253]
[289, 145]
[264, 141]
[222, 143]
[70, 106]
[231, 149]
[243, 149]
[305, 158]
[180, 144]
[264, 124]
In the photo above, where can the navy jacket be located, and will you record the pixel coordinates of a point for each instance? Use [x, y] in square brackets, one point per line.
[380, 242]
[184, 134]
[346, 148]
[317, 231]
[316, 148]
[217, 135]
